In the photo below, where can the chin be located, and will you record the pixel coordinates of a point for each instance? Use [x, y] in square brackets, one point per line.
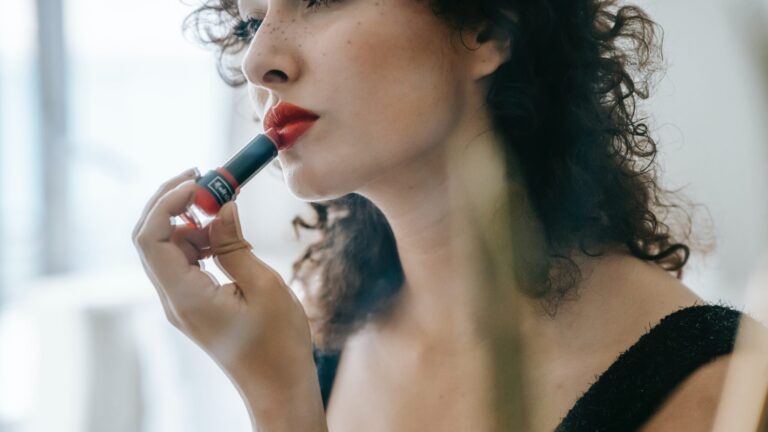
[313, 188]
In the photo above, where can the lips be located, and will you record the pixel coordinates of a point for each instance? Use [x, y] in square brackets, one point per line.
[290, 121]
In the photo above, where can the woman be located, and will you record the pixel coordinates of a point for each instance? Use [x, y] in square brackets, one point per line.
[398, 86]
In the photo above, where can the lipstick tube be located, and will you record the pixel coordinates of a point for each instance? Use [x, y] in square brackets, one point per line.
[222, 184]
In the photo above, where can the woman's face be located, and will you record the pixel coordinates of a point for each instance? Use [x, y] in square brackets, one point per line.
[383, 76]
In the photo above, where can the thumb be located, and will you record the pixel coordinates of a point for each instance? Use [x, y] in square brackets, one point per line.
[232, 253]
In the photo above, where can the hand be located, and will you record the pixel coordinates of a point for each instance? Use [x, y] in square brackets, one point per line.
[254, 328]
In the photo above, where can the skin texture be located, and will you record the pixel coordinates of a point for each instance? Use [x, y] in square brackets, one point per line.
[395, 96]
[698, 397]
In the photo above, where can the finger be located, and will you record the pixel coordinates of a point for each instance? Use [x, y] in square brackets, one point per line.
[164, 188]
[167, 261]
[232, 253]
[170, 312]
[193, 242]
[157, 226]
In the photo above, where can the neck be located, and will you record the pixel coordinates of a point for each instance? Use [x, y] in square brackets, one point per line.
[428, 210]
[429, 205]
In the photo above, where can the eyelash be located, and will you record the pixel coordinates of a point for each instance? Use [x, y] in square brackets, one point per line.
[245, 30]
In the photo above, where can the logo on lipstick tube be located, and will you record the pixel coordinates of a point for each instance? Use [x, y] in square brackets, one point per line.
[220, 189]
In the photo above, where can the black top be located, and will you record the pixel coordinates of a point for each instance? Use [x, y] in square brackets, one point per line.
[629, 392]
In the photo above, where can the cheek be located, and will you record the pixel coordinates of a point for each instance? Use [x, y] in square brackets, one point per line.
[390, 85]
[399, 82]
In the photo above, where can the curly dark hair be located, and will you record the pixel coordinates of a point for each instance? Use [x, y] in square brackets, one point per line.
[565, 104]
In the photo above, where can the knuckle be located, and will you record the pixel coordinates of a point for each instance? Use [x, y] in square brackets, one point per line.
[269, 278]
[135, 236]
[186, 310]
[167, 197]
[171, 317]
[183, 317]
[160, 201]
[141, 239]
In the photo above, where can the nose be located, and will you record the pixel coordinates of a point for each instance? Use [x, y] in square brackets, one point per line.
[270, 60]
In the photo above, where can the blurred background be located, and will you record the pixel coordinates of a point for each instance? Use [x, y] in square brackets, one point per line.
[102, 101]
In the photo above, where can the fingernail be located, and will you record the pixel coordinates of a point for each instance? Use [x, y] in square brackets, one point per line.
[190, 172]
[230, 209]
[231, 217]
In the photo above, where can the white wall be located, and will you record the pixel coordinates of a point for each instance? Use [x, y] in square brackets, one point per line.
[710, 112]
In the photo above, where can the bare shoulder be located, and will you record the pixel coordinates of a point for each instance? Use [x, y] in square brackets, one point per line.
[692, 406]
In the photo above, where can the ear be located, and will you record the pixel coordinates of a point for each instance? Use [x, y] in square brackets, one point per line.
[490, 47]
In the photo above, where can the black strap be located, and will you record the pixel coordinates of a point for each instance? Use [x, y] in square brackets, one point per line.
[628, 393]
[326, 362]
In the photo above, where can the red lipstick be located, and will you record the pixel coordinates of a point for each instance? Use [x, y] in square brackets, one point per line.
[222, 184]
[289, 121]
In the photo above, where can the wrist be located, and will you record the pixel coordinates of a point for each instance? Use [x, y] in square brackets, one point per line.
[277, 405]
